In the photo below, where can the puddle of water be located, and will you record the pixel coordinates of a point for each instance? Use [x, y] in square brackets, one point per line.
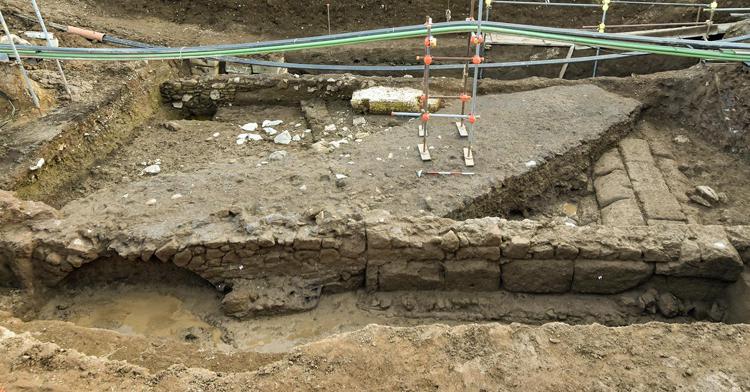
[134, 310]
[143, 313]
[172, 312]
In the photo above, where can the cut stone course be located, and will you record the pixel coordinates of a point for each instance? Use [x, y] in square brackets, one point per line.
[608, 276]
[537, 276]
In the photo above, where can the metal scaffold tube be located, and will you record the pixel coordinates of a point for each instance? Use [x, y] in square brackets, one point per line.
[601, 28]
[24, 74]
[713, 50]
[590, 5]
[40, 19]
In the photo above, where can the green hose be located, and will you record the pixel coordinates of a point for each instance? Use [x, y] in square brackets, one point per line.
[724, 55]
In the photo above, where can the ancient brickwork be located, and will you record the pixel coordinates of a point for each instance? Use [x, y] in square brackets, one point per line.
[489, 254]
[329, 253]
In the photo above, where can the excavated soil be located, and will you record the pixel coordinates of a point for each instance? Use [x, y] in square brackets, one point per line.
[153, 326]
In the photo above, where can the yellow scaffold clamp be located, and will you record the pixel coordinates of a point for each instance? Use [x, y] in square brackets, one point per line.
[605, 5]
[602, 26]
[713, 5]
[488, 3]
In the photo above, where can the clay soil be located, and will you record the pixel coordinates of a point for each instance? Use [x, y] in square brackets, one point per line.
[162, 329]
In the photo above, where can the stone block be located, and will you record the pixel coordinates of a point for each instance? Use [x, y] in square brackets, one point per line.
[608, 162]
[659, 203]
[609, 276]
[472, 275]
[636, 150]
[538, 276]
[612, 187]
[479, 252]
[739, 237]
[410, 276]
[709, 256]
[517, 248]
[622, 213]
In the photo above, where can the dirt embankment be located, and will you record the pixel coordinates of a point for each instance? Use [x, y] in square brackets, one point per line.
[695, 357]
[305, 18]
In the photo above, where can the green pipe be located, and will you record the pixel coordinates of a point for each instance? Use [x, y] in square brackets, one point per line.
[726, 55]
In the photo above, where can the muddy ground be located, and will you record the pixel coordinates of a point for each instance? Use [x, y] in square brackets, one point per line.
[159, 327]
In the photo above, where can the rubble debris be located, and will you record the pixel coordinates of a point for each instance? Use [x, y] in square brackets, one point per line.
[38, 165]
[152, 170]
[271, 123]
[250, 127]
[283, 138]
[278, 155]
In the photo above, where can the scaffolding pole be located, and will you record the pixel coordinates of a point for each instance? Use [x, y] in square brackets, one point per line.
[24, 75]
[40, 19]
[602, 26]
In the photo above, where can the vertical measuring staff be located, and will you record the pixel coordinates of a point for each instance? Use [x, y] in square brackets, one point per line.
[24, 75]
[49, 43]
[710, 21]
[476, 60]
[429, 41]
[602, 27]
[461, 125]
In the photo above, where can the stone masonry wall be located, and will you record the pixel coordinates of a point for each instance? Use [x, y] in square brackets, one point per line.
[491, 254]
[257, 255]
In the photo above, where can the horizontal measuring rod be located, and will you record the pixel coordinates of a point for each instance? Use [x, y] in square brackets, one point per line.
[445, 115]
[461, 97]
[457, 58]
[628, 2]
[422, 173]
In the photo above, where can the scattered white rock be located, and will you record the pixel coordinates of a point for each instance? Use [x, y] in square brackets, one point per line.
[16, 40]
[278, 155]
[152, 170]
[176, 196]
[283, 138]
[359, 121]
[338, 143]
[341, 176]
[531, 164]
[296, 138]
[681, 139]
[244, 137]
[271, 123]
[319, 147]
[270, 131]
[361, 135]
[172, 126]
[216, 134]
[303, 188]
[250, 127]
[330, 128]
[707, 192]
[38, 165]
[151, 202]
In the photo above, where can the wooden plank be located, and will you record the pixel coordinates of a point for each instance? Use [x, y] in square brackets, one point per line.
[461, 129]
[424, 152]
[568, 57]
[420, 133]
[468, 157]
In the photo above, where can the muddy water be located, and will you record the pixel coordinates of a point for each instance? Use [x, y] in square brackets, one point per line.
[192, 314]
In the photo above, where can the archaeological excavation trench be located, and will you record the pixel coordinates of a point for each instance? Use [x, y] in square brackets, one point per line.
[243, 219]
